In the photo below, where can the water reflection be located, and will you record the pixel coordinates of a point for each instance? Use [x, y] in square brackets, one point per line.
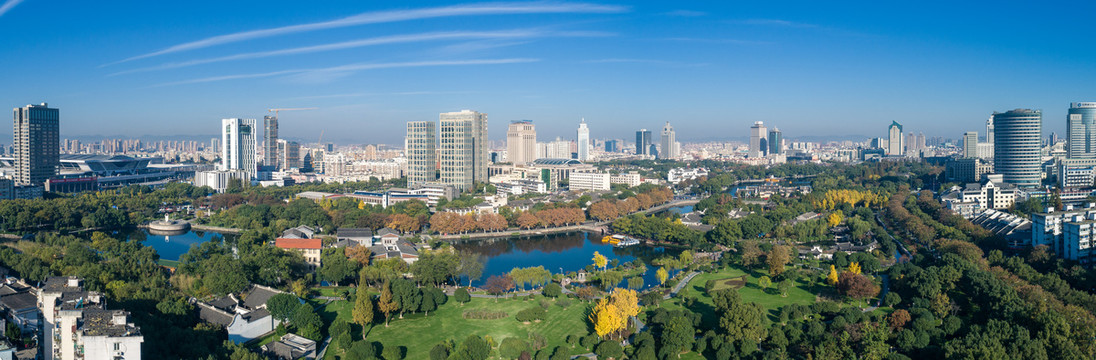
[170, 244]
[557, 252]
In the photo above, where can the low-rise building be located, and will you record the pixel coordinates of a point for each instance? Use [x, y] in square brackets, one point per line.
[631, 179]
[291, 347]
[975, 197]
[677, 175]
[593, 181]
[1077, 237]
[354, 237]
[390, 246]
[308, 248]
[243, 320]
[218, 180]
[77, 325]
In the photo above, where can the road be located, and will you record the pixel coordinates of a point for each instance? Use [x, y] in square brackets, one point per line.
[681, 284]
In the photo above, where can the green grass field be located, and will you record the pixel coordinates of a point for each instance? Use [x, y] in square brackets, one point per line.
[419, 333]
[770, 299]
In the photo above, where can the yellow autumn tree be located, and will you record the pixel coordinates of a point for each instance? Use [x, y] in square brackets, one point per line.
[600, 260]
[606, 318]
[854, 267]
[627, 300]
[834, 219]
[662, 275]
[832, 278]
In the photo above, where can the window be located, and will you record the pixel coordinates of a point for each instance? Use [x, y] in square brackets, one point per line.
[117, 346]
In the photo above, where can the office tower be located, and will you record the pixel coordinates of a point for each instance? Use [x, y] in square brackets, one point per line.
[1053, 138]
[289, 155]
[612, 146]
[463, 148]
[758, 142]
[1081, 131]
[582, 140]
[669, 137]
[1016, 147]
[215, 145]
[643, 142]
[271, 156]
[521, 142]
[37, 144]
[776, 142]
[895, 142]
[970, 144]
[421, 151]
[238, 150]
[989, 130]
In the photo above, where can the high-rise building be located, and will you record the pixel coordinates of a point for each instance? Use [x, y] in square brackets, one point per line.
[37, 144]
[463, 148]
[989, 129]
[238, 150]
[289, 155]
[970, 144]
[643, 142]
[669, 137]
[895, 142]
[1016, 148]
[1081, 131]
[776, 142]
[521, 142]
[758, 142]
[421, 151]
[271, 156]
[582, 141]
[612, 146]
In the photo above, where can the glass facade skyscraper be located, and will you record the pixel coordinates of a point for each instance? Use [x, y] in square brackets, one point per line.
[1081, 131]
[1017, 149]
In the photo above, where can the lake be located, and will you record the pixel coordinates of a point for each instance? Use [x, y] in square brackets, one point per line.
[170, 247]
[558, 253]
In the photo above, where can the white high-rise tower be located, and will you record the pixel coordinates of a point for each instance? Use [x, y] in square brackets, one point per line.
[238, 151]
[758, 142]
[583, 141]
[669, 137]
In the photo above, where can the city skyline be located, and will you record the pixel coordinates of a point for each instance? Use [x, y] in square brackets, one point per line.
[369, 70]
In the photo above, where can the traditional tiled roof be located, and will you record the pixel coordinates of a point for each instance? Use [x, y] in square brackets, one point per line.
[298, 243]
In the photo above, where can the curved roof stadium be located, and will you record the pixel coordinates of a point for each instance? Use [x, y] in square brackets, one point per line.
[557, 162]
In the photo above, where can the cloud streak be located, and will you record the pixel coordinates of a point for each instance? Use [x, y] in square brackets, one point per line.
[773, 22]
[389, 16]
[383, 40]
[8, 5]
[351, 68]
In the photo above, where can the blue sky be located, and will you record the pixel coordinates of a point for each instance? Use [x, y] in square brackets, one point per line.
[711, 68]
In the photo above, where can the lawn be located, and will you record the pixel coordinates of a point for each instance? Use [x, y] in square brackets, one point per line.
[419, 333]
[751, 292]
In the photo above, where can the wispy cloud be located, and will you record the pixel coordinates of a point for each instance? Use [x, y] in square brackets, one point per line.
[642, 61]
[773, 22]
[391, 16]
[369, 94]
[686, 13]
[338, 71]
[8, 5]
[716, 41]
[383, 40]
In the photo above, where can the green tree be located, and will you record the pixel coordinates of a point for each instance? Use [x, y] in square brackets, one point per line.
[553, 290]
[282, 305]
[740, 321]
[784, 286]
[363, 308]
[511, 348]
[472, 348]
[609, 350]
[678, 334]
[462, 296]
[764, 282]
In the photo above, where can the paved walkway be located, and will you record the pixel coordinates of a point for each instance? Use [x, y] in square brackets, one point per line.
[886, 288]
[681, 284]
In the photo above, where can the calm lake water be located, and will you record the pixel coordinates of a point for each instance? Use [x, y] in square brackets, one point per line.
[170, 247]
[558, 252]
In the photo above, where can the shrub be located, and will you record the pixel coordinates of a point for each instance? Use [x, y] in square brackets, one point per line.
[609, 349]
[484, 314]
[552, 290]
[462, 296]
[563, 303]
[512, 348]
[531, 314]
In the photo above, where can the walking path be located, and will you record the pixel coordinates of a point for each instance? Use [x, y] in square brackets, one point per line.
[681, 284]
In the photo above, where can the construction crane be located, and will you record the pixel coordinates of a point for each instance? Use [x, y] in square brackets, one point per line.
[275, 111]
